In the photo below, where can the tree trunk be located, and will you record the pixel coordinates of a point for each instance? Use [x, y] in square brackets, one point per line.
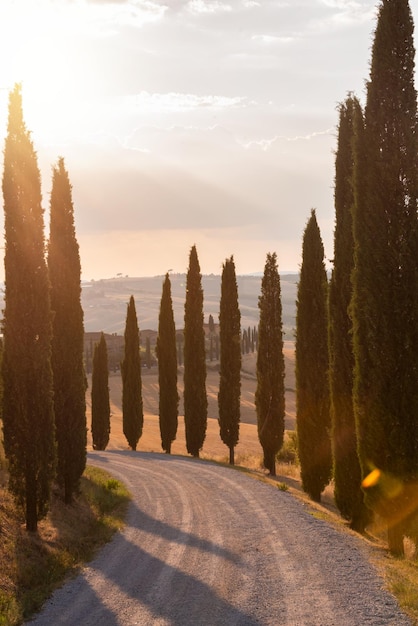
[68, 492]
[269, 462]
[395, 539]
[232, 455]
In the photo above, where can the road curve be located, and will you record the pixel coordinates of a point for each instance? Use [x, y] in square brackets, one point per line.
[205, 545]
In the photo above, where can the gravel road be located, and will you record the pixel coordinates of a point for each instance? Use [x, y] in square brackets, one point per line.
[205, 545]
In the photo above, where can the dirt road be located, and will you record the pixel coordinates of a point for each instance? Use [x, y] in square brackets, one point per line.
[207, 545]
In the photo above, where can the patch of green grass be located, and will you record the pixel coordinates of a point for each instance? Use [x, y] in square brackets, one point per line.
[283, 487]
[402, 578]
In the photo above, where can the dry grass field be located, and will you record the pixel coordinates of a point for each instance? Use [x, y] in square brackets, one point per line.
[248, 451]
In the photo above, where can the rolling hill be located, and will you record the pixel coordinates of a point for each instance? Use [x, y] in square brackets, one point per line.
[105, 301]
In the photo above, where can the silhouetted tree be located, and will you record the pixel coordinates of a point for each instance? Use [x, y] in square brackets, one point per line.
[148, 359]
[385, 281]
[167, 369]
[348, 494]
[180, 348]
[132, 410]
[230, 366]
[195, 399]
[211, 324]
[312, 384]
[100, 404]
[28, 412]
[68, 336]
[269, 395]
[243, 341]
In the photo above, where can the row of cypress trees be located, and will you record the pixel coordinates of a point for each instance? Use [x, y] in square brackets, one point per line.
[43, 377]
[364, 374]
[269, 400]
[270, 368]
[377, 245]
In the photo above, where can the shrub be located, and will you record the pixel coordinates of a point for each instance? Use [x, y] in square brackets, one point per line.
[288, 452]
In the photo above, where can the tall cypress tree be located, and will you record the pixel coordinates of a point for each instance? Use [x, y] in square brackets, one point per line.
[68, 336]
[28, 412]
[348, 494]
[100, 404]
[269, 395]
[195, 399]
[312, 384]
[230, 365]
[132, 408]
[167, 369]
[385, 287]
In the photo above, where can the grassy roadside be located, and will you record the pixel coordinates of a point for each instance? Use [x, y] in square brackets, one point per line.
[32, 566]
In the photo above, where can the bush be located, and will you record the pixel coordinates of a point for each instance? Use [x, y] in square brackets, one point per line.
[288, 452]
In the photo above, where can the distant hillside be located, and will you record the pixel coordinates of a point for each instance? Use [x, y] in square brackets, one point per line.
[105, 301]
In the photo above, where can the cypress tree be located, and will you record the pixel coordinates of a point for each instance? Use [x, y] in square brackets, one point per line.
[269, 394]
[195, 399]
[167, 369]
[68, 336]
[312, 384]
[385, 285]
[100, 404]
[28, 412]
[132, 408]
[348, 494]
[230, 365]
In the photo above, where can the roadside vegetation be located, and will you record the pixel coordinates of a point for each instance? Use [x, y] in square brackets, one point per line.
[34, 564]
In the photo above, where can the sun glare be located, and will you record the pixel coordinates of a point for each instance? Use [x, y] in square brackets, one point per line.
[46, 44]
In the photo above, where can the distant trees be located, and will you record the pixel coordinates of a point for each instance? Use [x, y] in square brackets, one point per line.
[28, 410]
[195, 399]
[100, 405]
[348, 494]
[269, 395]
[230, 363]
[68, 336]
[167, 369]
[148, 359]
[132, 411]
[385, 279]
[312, 384]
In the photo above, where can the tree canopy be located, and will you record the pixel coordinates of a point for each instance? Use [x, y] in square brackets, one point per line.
[132, 410]
[68, 335]
[312, 385]
[229, 394]
[269, 395]
[167, 369]
[195, 398]
[28, 411]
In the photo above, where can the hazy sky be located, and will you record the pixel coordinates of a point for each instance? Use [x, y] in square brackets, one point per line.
[187, 121]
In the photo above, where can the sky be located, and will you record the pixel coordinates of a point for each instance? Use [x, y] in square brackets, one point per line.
[187, 122]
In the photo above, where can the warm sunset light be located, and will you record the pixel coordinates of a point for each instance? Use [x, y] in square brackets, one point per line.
[187, 122]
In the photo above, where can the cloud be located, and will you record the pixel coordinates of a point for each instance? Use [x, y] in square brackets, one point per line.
[208, 7]
[272, 39]
[266, 144]
[172, 101]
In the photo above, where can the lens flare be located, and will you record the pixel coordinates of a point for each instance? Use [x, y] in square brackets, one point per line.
[371, 479]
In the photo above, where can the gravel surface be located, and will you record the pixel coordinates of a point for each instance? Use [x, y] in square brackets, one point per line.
[205, 545]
